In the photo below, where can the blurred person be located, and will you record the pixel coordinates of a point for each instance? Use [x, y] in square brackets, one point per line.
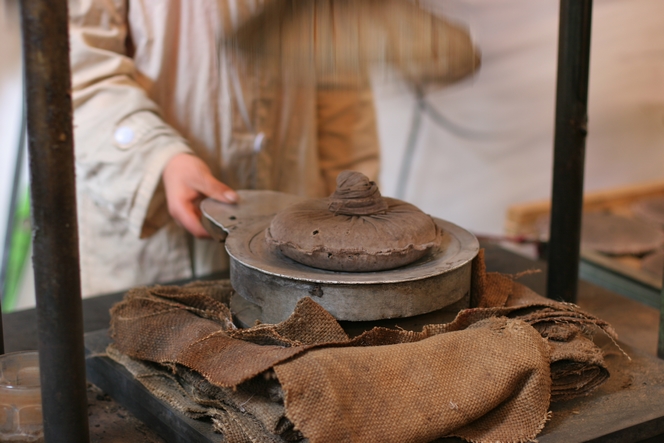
[167, 113]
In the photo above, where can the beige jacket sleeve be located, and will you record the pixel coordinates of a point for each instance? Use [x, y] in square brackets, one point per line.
[122, 144]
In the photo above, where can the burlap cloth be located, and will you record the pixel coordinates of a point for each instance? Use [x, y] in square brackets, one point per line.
[353, 230]
[488, 376]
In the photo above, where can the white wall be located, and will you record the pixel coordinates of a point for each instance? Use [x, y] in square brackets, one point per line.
[471, 181]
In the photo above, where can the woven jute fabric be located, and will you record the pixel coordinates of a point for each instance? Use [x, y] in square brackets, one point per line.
[487, 376]
[251, 412]
[156, 324]
[416, 392]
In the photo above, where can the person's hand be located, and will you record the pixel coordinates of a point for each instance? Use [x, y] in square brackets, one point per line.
[187, 180]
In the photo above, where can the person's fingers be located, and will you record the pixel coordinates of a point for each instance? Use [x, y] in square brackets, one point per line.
[192, 172]
[215, 189]
[187, 179]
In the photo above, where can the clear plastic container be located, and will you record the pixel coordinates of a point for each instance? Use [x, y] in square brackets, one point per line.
[20, 398]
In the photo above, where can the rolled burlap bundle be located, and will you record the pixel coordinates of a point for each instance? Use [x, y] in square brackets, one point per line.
[384, 386]
[487, 376]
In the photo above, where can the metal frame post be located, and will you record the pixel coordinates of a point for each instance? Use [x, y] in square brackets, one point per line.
[660, 341]
[569, 148]
[55, 231]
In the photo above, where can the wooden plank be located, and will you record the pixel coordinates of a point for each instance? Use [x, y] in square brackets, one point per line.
[619, 274]
[521, 218]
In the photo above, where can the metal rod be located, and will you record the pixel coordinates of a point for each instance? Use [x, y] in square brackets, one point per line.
[55, 233]
[569, 148]
[409, 152]
[660, 341]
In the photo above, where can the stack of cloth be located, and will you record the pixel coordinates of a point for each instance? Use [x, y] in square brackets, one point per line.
[487, 376]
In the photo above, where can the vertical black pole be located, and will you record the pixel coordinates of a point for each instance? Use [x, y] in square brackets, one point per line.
[660, 342]
[55, 233]
[569, 148]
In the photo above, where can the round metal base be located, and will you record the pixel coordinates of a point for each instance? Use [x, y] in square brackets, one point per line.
[247, 314]
[276, 283]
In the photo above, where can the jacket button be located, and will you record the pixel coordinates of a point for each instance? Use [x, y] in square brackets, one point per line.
[124, 136]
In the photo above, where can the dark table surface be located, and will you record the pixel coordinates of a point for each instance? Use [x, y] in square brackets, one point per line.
[628, 408]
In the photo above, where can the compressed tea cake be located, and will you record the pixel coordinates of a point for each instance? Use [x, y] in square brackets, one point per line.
[354, 230]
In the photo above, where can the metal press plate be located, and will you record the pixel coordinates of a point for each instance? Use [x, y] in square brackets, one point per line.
[276, 283]
[246, 223]
[252, 206]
